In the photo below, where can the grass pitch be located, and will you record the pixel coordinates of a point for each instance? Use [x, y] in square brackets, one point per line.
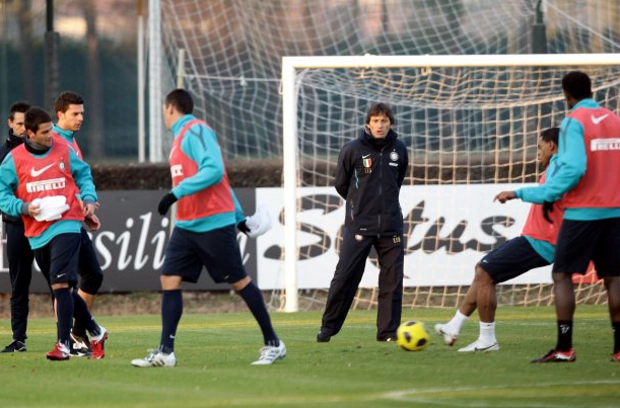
[214, 352]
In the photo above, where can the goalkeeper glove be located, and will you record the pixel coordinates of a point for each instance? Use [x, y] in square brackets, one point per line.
[165, 203]
[243, 227]
[547, 208]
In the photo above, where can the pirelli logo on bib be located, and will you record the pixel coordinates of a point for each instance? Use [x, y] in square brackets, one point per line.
[605, 144]
[46, 185]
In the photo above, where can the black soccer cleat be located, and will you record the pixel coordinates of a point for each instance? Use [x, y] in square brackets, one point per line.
[15, 347]
[323, 337]
[556, 356]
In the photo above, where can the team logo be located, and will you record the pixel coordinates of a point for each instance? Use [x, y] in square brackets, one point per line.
[176, 170]
[367, 163]
[61, 165]
[358, 237]
[394, 156]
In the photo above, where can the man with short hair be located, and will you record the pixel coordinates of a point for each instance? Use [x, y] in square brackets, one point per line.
[45, 183]
[69, 107]
[204, 235]
[18, 251]
[535, 247]
[370, 172]
[587, 179]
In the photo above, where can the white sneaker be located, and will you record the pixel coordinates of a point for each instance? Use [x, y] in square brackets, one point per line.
[269, 354]
[156, 359]
[479, 346]
[449, 338]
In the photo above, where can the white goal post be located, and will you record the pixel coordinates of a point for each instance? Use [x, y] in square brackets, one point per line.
[293, 66]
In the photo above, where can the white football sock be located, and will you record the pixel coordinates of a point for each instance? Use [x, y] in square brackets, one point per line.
[487, 332]
[457, 322]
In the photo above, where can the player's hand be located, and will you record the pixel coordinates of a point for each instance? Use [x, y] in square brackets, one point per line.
[165, 203]
[243, 227]
[547, 208]
[505, 196]
[92, 222]
[33, 209]
[88, 209]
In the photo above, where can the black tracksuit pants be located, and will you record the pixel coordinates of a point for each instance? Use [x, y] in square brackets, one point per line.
[20, 257]
[353, 254]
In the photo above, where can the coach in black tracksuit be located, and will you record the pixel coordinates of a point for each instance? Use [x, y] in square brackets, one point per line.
[19, 253]
[370, 172]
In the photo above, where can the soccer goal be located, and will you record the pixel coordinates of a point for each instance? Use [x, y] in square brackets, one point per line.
[471, 123]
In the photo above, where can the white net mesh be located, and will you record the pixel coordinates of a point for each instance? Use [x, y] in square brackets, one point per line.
[467, 126]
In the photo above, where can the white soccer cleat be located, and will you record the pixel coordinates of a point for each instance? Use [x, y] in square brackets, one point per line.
[443, 330]
[480, 347]
[269, 354]
[156, 359]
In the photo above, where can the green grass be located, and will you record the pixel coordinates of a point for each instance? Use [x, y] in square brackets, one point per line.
[353, 370]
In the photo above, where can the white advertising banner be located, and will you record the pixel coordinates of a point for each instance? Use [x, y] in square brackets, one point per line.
[447, 230]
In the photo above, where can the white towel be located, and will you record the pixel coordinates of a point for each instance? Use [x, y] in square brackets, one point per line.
[259, 222]
[51, 207]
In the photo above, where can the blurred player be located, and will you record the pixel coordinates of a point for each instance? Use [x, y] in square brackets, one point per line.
[534, 248]
[205, 234]
[31, 175]
[69, 107]
[587, 179]
[18, 251]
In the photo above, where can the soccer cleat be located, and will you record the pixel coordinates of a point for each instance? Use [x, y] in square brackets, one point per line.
[97, 344]
[449, 338]
[15, 347]
[322, 337]
[155, 359]
[79, 346]
[269, 354]
[480, 347]
[616, 357]
[59, 352]
[555, 356]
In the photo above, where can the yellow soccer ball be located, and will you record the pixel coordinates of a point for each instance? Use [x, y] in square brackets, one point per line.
[412, 336]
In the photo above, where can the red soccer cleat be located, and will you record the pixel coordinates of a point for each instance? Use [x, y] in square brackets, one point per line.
[616, 357]
[97, 344]
[60, 352]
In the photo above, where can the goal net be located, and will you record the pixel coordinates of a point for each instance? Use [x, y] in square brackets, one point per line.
[471, 124]
[470, 129]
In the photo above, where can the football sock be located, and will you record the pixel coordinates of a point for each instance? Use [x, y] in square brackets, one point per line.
[487, 332]
[171, 311]
[64, 312]
[254, 299]
[457, 321]
[615, 327]
[83, 318]
[565, 335]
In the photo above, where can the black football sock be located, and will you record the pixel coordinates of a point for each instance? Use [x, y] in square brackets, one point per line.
[565, 335]
[171, 312]
[64, 312]
[254, 299]
[615, 326]
[83, 319]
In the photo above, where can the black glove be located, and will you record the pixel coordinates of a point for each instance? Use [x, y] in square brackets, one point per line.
[243, 228]
[547, 208]
[165, 203]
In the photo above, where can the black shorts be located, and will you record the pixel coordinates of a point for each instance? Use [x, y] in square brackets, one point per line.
[511, 259]
[580, 242]
[59, 258]
[217, 250]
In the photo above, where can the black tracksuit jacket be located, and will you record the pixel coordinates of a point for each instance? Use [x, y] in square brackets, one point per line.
[369, 175]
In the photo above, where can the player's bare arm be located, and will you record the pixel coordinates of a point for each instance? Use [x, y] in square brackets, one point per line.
[505, 196]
